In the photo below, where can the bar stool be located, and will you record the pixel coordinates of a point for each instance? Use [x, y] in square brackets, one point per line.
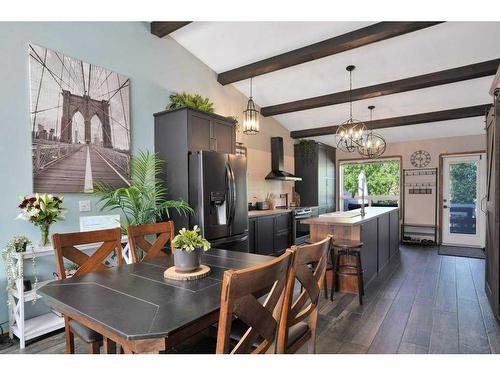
[345, 249]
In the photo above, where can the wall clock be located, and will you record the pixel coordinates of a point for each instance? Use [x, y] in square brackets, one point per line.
[420, 159]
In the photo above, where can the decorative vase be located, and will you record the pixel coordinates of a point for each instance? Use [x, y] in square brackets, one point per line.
[44, 231]
[187, 262]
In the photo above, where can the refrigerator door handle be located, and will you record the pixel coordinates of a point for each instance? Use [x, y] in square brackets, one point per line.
[228, 193]
[233, 194]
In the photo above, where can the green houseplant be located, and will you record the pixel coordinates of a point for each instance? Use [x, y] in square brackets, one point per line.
[188, 245]
[144, 201]
[18, 244]
[196, 101]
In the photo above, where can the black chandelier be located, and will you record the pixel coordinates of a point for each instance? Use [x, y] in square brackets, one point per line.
[350, 133]
[251, 116]
[372, 145]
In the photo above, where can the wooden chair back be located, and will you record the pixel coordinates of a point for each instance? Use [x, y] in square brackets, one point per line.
[137, 234]
[64, 246]
[240, 294]
[309, 269]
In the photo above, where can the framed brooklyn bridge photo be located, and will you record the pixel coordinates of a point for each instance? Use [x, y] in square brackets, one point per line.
[80, 124]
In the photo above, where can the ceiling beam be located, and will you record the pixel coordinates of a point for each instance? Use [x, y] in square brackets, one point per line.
[163, 28]
[482, 69]
[354, 39]
[421, 118]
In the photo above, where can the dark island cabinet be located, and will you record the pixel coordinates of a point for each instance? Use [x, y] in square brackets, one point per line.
[270, 235]
[315, 163]
[369, 258]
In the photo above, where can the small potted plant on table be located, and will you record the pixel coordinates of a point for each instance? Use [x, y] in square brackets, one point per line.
[188, 246]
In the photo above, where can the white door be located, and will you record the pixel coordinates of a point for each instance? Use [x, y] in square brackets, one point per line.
[464, 184]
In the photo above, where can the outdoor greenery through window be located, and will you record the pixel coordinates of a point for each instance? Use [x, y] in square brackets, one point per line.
[382, 183]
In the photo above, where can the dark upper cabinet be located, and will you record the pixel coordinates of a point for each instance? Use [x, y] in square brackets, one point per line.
[205, 131]
[223, 137]
[316, 165]
[199, 133]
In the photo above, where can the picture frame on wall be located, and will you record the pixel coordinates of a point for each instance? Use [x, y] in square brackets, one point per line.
[80, 124]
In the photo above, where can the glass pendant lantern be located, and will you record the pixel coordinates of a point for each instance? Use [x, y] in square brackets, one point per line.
[251, 116]
[351, 132]
[373, 145]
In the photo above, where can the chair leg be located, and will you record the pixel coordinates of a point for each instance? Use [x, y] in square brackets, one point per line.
[109, 346]
[94, 347]
[360, 278]
[325, 286]
[70, 338]
[334, 273]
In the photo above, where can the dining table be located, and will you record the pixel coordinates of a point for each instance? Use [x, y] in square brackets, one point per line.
[137, 308]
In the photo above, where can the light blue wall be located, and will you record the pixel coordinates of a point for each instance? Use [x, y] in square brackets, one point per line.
[156, 67]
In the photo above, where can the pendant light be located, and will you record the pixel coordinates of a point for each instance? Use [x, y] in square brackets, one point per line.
[350, 133]
[250, 116]
[373, 145]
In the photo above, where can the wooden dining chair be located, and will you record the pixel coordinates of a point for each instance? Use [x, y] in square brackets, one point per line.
[300, 314]
[64, 245]
[241, 296]
[137, 234]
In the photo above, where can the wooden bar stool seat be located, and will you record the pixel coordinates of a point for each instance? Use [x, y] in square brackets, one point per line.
[345, 248]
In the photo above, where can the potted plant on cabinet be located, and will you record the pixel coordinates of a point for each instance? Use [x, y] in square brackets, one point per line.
[144, 201]
[188, 246]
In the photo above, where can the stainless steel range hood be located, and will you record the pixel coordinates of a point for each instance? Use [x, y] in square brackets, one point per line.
[277, 156]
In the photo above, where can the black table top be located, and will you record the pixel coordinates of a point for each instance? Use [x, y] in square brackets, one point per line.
[137, 302]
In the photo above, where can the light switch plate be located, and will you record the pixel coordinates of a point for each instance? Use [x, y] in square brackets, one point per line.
[85, 206]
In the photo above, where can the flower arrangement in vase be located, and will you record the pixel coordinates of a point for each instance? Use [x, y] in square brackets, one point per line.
[188, 246]
[42, 210]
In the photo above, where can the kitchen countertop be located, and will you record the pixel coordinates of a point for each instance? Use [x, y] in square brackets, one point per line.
[334, 218]
[277, 211]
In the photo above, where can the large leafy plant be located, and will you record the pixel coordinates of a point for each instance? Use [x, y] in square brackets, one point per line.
[190, 240]
[144, 201]
[196, 101]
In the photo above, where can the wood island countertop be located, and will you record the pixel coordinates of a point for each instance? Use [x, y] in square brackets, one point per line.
[339, 218]
[277, 211]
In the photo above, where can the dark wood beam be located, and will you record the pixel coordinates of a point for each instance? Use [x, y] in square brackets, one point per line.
[354, 39]
[421, 118]
[482, 69]
[163, 28]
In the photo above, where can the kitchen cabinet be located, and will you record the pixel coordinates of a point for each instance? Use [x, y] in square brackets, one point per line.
[315, 164]
[200, 130]
[270, 234]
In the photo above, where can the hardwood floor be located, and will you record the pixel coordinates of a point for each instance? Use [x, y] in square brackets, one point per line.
[421, 303]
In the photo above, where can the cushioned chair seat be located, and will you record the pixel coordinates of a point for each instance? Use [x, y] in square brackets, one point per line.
[86, 334]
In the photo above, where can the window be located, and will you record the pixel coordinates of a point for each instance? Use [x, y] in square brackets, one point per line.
[382, 183]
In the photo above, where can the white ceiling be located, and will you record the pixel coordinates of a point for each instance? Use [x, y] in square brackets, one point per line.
[227, 45]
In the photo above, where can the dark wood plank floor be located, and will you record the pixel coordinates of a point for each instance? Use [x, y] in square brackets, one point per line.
[422, 303]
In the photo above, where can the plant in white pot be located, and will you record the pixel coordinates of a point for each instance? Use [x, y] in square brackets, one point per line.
[188, 246]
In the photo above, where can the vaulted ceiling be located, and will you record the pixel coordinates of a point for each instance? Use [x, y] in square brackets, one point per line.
[225, 46]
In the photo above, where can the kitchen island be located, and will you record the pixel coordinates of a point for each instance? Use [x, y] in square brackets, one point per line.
[378, 230]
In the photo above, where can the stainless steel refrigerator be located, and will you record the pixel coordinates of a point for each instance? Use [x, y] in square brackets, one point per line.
[218, 194]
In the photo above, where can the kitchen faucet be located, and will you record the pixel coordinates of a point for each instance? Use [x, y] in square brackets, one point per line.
[363, 212]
